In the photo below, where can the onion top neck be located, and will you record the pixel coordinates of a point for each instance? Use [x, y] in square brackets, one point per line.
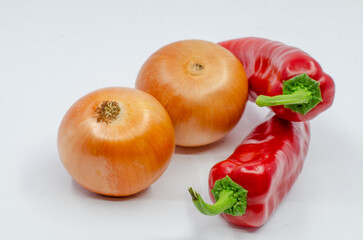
[108, 111]
[195, 67]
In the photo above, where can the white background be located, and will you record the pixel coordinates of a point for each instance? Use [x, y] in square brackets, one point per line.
[54, 52]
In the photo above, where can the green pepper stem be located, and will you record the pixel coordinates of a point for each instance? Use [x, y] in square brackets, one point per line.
[226, 200]
[299, 94]
[298, 97]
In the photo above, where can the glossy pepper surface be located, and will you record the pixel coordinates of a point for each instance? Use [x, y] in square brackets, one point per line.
[249, 185]
[269, 64]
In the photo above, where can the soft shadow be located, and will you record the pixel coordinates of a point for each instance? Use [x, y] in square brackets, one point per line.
[252, 116]
[246, 229]
[193, 150]
[84, 192]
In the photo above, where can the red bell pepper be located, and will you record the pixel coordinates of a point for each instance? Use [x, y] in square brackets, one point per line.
[250, 184]
[285, 78]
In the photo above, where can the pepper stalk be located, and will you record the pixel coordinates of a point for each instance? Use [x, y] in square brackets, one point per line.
[231, 198]
[300, 94]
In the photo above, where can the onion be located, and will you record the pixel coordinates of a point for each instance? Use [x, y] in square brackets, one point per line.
[116, 141]
[202, 86]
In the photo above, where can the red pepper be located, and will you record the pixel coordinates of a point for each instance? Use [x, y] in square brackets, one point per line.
[269, 64]
[250, 184]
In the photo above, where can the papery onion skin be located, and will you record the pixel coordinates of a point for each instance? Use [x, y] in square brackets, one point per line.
[202, 86]
[121, 157]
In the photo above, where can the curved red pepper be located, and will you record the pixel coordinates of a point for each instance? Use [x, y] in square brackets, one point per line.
[266, 164]
[269, 63]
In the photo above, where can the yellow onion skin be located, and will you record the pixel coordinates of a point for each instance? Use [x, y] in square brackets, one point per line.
[119, 157]
[202, 86]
